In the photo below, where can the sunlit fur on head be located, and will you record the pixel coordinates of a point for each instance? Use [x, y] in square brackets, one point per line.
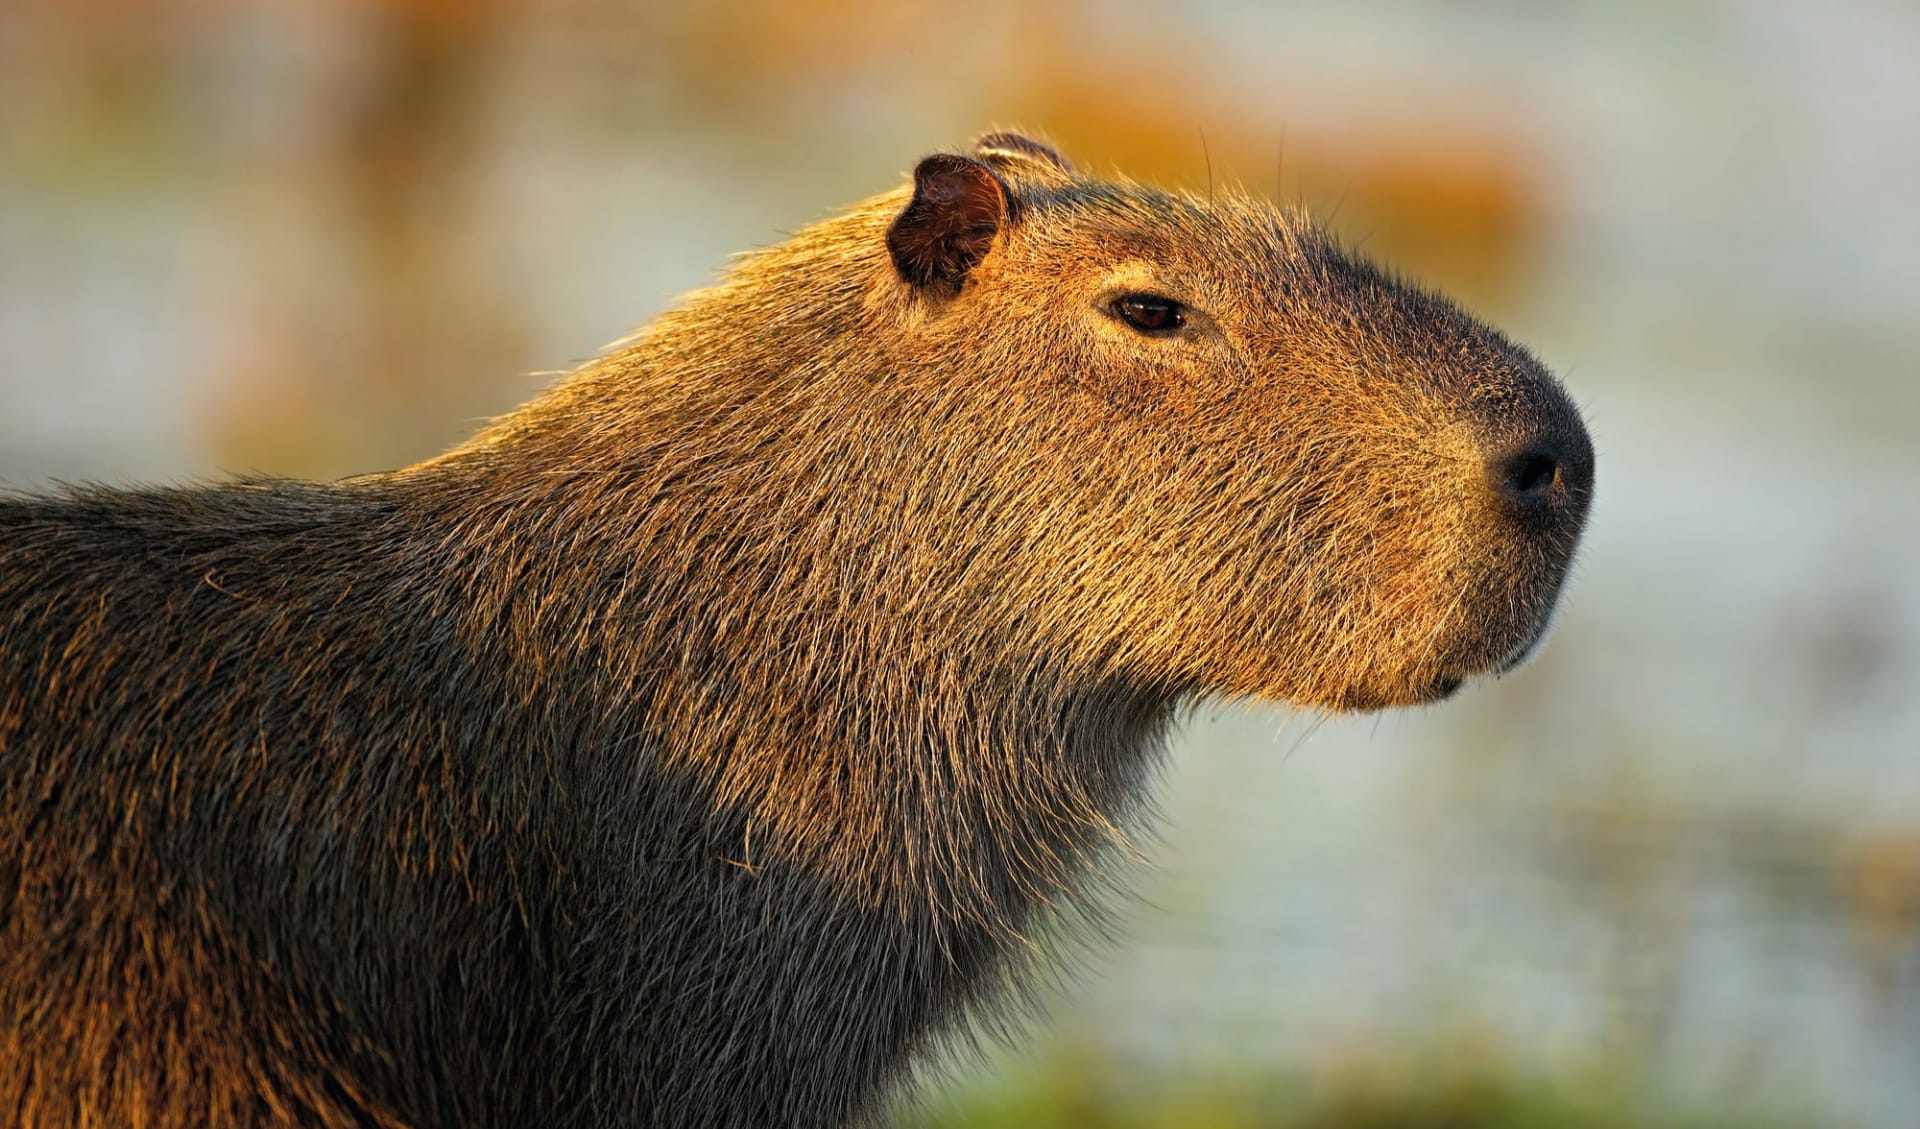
[702, 741]
[927, 531]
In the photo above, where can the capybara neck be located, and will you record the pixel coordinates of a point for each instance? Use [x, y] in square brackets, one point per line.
[741, 523]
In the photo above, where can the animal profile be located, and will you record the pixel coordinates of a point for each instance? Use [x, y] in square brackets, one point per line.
[700, 743]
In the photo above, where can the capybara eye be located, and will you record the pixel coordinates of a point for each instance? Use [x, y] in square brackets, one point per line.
[1150, 313]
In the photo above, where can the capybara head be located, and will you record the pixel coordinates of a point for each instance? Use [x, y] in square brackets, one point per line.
[1258, 463]
[1242, 460]
[1076, 429]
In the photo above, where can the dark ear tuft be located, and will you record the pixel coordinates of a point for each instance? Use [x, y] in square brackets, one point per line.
[958, 207]
[1016, 145]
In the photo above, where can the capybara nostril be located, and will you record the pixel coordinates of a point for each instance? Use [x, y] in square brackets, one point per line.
[1530, 476]
[1550, 470]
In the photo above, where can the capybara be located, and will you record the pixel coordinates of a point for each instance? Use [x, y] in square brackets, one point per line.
[706, 741]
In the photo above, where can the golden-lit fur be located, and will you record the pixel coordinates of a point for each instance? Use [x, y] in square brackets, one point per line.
[930, 496]
[700, 742]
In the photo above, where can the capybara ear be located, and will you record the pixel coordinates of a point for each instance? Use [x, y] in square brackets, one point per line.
[1004, 144]
[958, 206]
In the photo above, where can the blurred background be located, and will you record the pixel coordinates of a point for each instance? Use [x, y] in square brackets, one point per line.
[1669, 873]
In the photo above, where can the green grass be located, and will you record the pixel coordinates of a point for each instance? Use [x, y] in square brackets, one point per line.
[1083, 1093]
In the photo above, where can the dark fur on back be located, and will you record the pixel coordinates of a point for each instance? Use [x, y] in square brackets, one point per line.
[699, 744]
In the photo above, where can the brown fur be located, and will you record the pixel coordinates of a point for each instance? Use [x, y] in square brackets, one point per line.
[703, 740]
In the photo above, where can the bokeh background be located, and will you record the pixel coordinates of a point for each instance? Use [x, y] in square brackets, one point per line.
[1667, 874]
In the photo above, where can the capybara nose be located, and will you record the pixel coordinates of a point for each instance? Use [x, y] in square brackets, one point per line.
[1546, 474]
